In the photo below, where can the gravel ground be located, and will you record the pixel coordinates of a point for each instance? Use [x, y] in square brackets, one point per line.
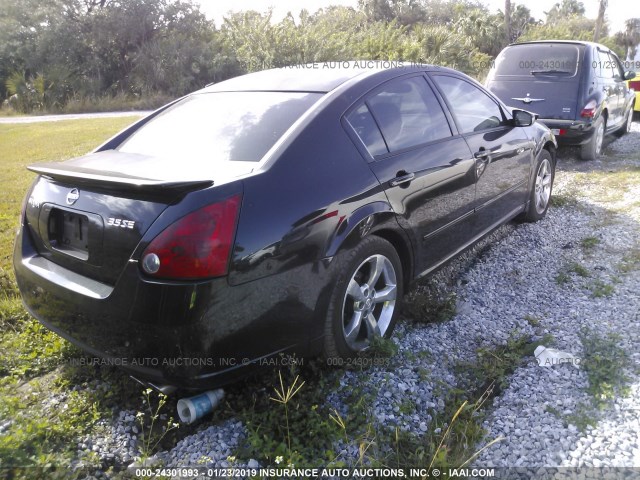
[534, 436]
[500, 285]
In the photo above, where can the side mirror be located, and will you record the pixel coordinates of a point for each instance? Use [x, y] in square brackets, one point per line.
[522, 118]
[629, 75]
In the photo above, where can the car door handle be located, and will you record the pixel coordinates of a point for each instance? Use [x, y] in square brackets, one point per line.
[402, 178]
[482, 154]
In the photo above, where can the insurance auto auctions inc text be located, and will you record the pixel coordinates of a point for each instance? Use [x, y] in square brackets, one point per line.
[317, 473]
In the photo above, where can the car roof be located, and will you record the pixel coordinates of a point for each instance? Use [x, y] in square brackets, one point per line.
[570, 42]
[321, 77]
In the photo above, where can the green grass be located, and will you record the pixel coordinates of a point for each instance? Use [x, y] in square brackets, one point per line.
[426, 309]
[578, 269]
[34, 362]
[607, 367]
[589, 243]
[582, 417]
[496, 364]
[564, 275]
[563, 200]
[630, 261]
[606, 364]
[456, 434]
[532, 320]
[29, 350]
[24, 144]
[601, 289]
[607, 186]
[42, 435]
[290, 419]
[562, 278]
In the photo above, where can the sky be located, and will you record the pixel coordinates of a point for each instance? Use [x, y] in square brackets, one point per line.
[617, 11]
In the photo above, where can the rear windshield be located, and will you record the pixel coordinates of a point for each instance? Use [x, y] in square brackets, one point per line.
[549, 59]
[211, 128]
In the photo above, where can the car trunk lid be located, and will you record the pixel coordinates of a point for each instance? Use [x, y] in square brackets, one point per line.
[89, 214]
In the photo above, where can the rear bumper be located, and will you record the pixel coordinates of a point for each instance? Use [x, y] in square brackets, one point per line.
[190, 335]
[574, 132]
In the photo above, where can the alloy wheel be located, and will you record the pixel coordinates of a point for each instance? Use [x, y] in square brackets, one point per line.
[543, 186]
[599, 138]
[369, 302]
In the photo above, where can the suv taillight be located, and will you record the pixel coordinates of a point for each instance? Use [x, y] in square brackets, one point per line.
[589, 109]
[197, 246]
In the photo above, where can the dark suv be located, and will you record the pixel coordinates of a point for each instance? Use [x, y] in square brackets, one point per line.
[577, 88]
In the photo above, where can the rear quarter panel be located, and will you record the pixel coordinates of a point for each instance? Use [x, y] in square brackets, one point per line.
[292, 211]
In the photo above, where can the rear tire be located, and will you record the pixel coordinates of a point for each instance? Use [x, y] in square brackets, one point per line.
[366, 297]
[591, 150]
[540, 194]
[626, 127]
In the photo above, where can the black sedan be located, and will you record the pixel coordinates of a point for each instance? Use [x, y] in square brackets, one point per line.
[281, 211]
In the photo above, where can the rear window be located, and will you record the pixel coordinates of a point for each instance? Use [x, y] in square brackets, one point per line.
[554, 59]
[212, 128]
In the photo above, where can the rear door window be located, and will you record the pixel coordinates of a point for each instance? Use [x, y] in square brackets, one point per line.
[403, 113]
[409, 114]
[365, 126]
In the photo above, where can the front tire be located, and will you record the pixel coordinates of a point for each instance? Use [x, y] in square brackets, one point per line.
[540, 195]
[591, 150]
[365, 299]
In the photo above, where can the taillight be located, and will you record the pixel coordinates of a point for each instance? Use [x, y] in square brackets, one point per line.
[589, 109]
[196, 246]
[635, 85]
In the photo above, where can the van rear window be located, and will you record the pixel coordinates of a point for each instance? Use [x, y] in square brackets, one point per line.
[547, 59]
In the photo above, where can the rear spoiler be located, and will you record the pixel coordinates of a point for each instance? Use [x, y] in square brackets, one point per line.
[114, 180]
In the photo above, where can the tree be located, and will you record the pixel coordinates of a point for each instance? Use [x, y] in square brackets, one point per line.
[572, 28]
[600, 19]
[563, 11]
[521, 21]
[251, 36]
[484, 29]
[440, 45]
[180, 56]
[507, 21]
[385, 41]
[23, 23]
[403, 12]
[447, 12]
[61, 49]
[630, 38]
